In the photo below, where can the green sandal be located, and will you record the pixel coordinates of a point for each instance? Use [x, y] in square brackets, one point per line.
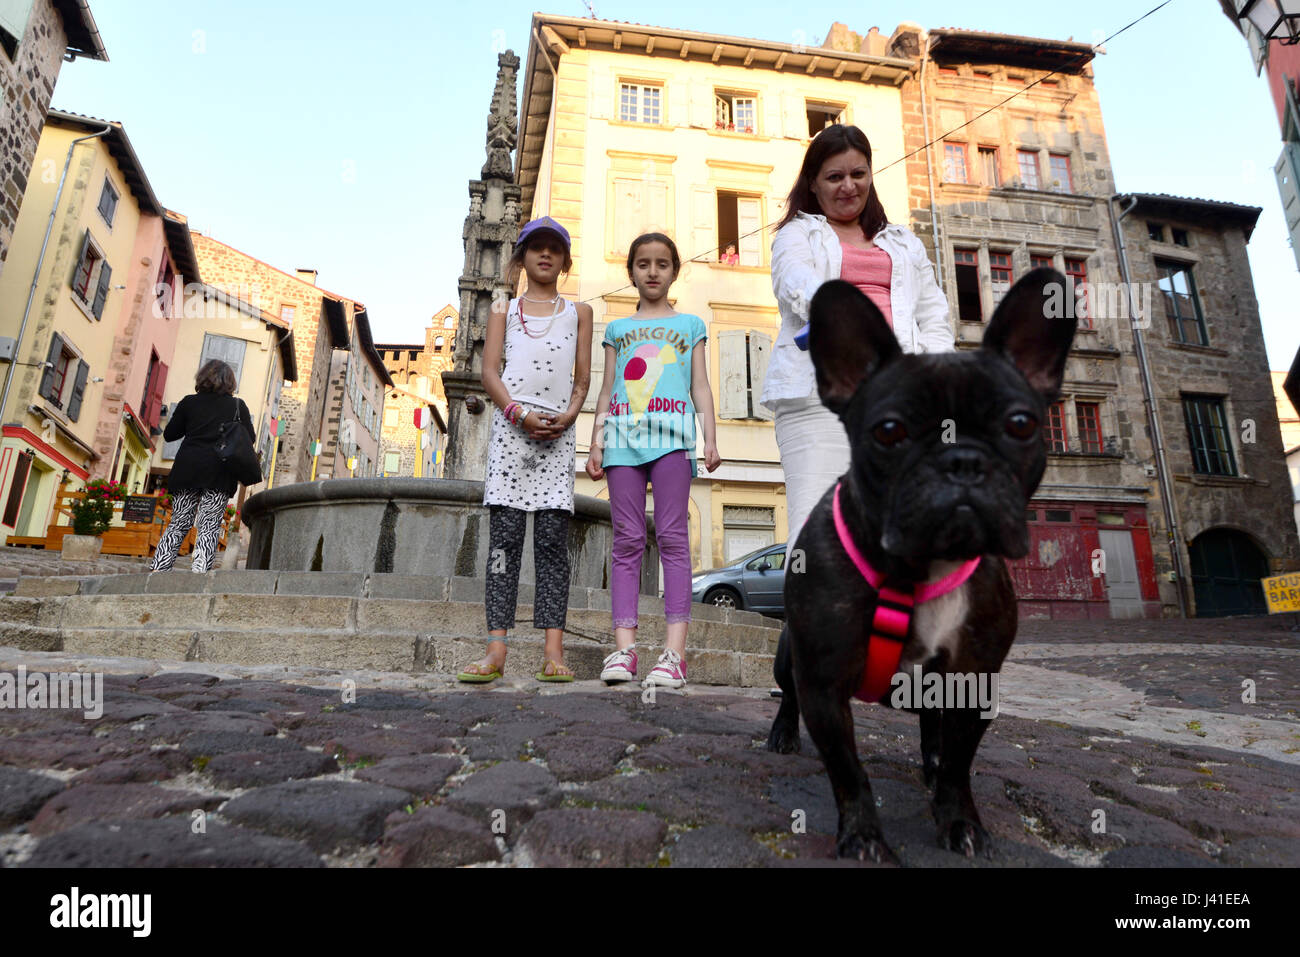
[479, 675]
[554, 671]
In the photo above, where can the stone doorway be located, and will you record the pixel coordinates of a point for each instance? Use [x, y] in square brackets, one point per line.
[1226, 568]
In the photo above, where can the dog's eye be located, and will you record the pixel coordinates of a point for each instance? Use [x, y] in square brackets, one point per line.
[889, 432]
[1021, 425]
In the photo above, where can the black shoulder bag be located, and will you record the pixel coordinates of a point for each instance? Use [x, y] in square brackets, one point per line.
[236, 451]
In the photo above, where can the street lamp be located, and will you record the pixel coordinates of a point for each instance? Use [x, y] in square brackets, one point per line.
[1274, 19]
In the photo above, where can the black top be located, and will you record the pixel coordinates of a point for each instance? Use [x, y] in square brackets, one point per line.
[198, 419]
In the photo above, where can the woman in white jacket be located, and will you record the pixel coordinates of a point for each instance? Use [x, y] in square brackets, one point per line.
[835, 228]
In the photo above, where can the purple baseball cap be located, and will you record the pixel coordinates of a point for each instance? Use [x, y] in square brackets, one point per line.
[544, 222]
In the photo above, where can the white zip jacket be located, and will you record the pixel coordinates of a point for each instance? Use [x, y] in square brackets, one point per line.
[806, 253]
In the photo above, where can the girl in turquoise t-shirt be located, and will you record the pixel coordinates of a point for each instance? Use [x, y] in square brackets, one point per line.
[656, 382]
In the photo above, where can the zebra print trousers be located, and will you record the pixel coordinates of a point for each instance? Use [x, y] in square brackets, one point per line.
[205, 508]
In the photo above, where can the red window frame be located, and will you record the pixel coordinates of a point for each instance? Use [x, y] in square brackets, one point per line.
[1089, 416]
[61, 375]
[1077, 270]
[1067, 183]
[969, 308]
[1054, 430]
[1027, 163]
[1000, 267]
[85, 270]
[951, 152]
[1038, 262]
[987, 153]
[1000, 275]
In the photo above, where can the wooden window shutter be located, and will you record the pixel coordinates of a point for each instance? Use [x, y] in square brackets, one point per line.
[101, 292]
[81, 260]
[794, 117]
[597, 367]
[749, 221]
[733, 397]
[760, 346]
[601, 91]
[701, 107]
[47, 379]
[78, 391]
[154, 408]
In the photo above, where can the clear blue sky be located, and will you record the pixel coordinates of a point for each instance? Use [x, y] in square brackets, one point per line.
[340, 136]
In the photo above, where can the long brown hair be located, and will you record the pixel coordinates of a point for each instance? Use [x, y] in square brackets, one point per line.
[833, 141]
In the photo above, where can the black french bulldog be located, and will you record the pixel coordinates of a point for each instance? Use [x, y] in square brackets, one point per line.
[946, 451]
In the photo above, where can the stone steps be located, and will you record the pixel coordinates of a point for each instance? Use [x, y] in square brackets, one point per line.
[301, 619]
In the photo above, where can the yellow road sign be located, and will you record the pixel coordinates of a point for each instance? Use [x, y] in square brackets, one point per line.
[1282, 592]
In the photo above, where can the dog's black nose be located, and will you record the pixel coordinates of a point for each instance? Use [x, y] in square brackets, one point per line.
[965, 466]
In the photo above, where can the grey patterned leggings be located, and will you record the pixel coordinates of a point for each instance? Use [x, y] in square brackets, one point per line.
[203, 508]
[506, 528]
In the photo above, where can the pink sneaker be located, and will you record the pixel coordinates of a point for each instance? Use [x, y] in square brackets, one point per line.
[669, 671]
[620, 666]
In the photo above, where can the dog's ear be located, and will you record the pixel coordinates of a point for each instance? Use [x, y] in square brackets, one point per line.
[1034, 327]
[849, 340]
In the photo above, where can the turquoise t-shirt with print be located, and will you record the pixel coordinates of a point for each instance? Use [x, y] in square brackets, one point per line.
[650, 410]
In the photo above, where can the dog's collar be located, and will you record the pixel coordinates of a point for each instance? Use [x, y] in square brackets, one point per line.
[893, 616]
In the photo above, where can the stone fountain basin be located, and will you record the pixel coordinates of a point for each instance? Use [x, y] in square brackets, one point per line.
[410, 526]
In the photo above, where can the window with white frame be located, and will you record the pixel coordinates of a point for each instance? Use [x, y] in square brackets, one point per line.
[740, 224]
[735, 112]
[822, 115]
[640, 103]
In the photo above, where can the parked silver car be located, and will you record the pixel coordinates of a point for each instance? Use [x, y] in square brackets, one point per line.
[754, 582]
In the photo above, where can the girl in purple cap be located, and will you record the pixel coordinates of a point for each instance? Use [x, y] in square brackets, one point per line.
[545, 341]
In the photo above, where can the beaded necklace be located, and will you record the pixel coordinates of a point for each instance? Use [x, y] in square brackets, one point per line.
[554, 315]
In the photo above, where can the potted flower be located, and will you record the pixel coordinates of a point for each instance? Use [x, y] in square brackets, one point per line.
[91, 516]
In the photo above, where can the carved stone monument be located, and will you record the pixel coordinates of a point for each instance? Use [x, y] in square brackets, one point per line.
[490, 230]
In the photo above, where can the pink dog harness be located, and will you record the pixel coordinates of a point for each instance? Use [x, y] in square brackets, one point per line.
[893, 618]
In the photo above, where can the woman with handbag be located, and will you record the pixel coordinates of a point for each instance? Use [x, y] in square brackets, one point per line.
[211, 463]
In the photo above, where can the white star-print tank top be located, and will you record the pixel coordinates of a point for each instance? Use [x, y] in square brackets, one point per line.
[539, 356]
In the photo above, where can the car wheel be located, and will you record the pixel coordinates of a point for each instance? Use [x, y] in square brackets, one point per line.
[723, 598]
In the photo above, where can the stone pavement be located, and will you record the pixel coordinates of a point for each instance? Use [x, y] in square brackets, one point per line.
[195, 765]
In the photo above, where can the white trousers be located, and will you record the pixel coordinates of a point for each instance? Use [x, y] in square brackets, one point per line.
[814, 453]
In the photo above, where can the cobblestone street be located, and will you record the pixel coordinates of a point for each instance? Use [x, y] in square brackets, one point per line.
[1142, 721]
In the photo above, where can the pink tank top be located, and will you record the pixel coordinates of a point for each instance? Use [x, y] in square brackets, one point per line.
[869, 270]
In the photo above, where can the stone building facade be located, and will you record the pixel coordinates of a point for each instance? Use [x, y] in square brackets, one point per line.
[1006, 189]
[35, 35]
[419, 366]
[313, 407]
[1213, 394]
[401, 441]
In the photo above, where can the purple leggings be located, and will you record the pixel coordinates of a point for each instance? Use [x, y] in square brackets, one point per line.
[670, 479]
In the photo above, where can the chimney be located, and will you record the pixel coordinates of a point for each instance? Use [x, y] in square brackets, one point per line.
[307, 275]
[873, 44]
